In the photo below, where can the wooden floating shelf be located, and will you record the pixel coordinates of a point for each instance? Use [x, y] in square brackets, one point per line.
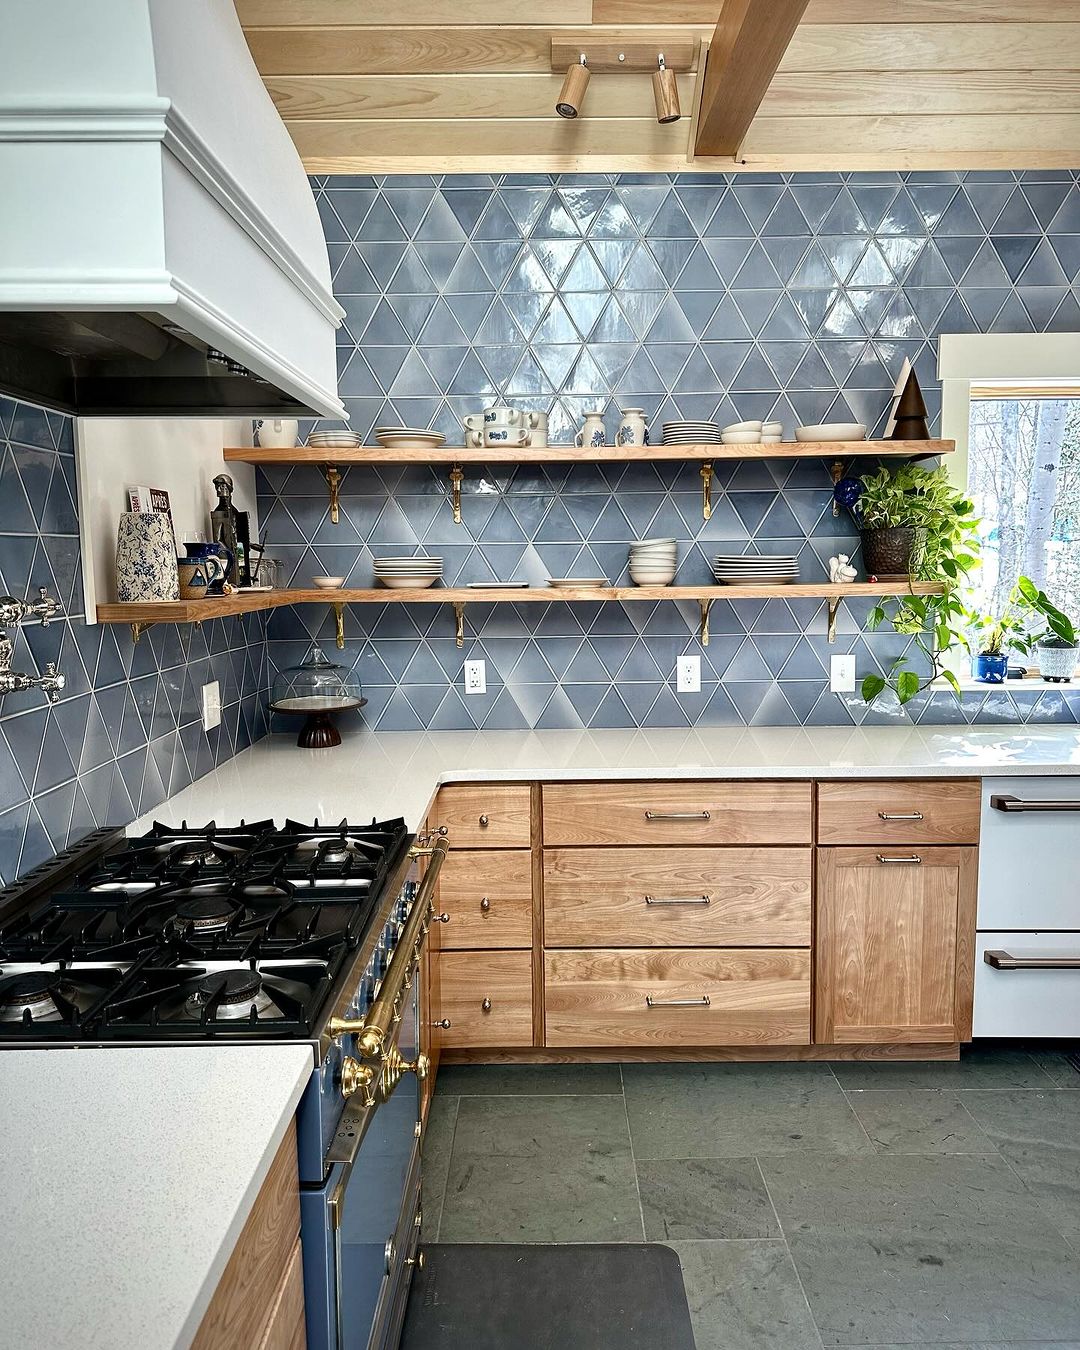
[556, 454]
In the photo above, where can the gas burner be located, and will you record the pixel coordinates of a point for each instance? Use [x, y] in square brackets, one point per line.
[230, 994]
[207, 914]
[191, 855]
[35, 993]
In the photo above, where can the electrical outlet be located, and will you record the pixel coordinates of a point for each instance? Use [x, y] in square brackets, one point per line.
[211, 705]
[688, 675]
[842, 674]
[475, 677]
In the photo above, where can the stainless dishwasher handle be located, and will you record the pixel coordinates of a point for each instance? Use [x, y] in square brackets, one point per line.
[1006, 961]
[677, 815]
[1005, 802]
[900, 815]
[912, 859]
[678, 899]
[702, 1002]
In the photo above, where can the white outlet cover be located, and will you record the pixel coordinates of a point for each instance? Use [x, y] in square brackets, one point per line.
[688, 675]
[476, 677]
[211, 705]
[842, 674]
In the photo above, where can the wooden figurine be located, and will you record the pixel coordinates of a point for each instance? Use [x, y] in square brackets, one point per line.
[910, 414]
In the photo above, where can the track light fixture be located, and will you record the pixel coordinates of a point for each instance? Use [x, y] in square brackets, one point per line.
[574, 85]
[665, 88]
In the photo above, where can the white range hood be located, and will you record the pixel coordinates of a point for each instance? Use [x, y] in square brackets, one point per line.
[160, 250]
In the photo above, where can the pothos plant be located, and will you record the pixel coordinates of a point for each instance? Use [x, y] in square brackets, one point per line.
[946, 550]
[1017, 627]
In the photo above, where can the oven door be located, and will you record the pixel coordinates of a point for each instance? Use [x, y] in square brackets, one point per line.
[360, 1230]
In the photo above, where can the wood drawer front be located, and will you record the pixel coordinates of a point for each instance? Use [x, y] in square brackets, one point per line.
[899, 811]
[504, 979]
[488, 898]
[285, 1330]
[486, 815]
[678, 813]
[242, 1303]
[757, 897]
[756, 997]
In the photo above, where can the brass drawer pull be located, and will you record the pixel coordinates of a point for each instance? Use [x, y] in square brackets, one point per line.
[678, 899]
[677, 815]
[900, 815]
[1006, 961]
[702, 1002]
[485, 1006]
[911, 859]
[484, 822]
[485, 904]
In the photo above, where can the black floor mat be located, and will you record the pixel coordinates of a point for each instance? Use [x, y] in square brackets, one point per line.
[603, 1296]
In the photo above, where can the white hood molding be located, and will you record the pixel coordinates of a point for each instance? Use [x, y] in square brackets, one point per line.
[145, 171]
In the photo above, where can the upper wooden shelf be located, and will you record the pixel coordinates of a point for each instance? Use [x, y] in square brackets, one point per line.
[490, 454]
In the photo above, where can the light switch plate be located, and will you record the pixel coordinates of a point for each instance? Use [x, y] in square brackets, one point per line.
[211, 705]
[688, 675]
[475, 677]
[842, 674]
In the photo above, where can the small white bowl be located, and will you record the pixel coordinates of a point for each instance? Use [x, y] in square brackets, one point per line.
[741, 437]
[328, 583]
[772, 439]
[772, 428]
[652, 578]
[408, 583]
[742, 426]
[832, 431]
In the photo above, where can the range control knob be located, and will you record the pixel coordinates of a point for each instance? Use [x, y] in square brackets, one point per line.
[357, 1077]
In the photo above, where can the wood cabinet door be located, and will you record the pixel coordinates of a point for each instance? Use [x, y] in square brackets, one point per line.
[894, 941]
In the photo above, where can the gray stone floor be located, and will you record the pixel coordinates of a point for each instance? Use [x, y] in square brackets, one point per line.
[811, 1205]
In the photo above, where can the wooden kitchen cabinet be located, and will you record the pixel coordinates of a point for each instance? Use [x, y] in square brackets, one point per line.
[899, 811]
[485, 815]
[894, 943]
[487, 998]
[487, 900]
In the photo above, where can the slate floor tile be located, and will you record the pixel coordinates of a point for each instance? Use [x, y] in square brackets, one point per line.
[745, 1296]
[738, 1111]
[694, 1198]
[1039, 1134]
[932, 1121]
[435, 1160]
[1062, 1070]
[976, 1068]
[508, 1080]
[924, 1250]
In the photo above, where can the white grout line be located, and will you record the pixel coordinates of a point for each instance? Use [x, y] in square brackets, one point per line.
[449, 1164]
[633, 1158]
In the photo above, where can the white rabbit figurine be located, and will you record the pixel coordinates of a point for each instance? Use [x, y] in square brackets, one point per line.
[840, 570]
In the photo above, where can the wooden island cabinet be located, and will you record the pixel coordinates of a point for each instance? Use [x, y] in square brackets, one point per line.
[705, 919]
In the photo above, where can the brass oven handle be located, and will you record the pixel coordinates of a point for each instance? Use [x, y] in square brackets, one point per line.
[900, 815]
[677, 815]
[678, 899]
[1006, 961]
[1007, 803]
[911, 859]
[702, 1002]
[373, 1031]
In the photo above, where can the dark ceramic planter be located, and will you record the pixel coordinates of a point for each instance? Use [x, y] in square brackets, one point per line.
[887, 551]
[990, 669]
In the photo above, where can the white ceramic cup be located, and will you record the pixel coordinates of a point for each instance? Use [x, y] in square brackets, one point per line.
[500, 433]
[537, 425]
[277, 432]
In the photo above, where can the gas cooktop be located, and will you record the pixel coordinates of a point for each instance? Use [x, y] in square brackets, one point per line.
[190, 933]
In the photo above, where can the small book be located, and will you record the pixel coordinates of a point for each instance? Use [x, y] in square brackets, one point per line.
[146, 499]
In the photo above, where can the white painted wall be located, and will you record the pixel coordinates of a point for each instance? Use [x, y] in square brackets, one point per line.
[180, 454]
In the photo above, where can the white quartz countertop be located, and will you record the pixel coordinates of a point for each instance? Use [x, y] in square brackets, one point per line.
[379, 774]
[127, 1176]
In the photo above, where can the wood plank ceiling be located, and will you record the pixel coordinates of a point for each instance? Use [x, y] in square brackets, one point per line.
[467, 85]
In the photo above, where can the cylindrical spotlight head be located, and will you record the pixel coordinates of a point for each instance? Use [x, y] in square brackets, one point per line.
[572, 94]
[665, 90]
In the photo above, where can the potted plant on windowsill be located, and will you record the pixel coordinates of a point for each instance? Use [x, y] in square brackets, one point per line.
[992, 637]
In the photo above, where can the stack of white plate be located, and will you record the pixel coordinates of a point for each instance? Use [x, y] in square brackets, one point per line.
[402, 573]
[653, 562]
[334, 440]
[691, 433]
[409, 438]
[755, 569]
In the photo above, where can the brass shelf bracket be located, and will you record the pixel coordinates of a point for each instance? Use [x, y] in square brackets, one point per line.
[138, 628]
[333, 483]
[706, 472]
[457, 475]
[834, 609]
[339, 625]
[459, 622]
[836, 472]
[705, 606]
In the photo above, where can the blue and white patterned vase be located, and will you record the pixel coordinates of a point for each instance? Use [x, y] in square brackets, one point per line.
[146, 557]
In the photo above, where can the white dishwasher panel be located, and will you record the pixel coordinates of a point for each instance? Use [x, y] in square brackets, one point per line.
[1033, 1002]
[1029, 861]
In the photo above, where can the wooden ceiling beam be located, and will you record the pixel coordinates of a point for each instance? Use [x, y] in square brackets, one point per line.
[747, 46]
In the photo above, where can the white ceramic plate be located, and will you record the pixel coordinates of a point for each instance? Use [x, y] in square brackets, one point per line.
[404, 583]
[497, 586]
[578, 581]
[832, 431]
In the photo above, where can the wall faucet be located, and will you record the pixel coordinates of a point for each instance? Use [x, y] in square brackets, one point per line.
[12, 613]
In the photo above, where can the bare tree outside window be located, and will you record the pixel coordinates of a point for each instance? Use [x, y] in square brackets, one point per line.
[1024, 478]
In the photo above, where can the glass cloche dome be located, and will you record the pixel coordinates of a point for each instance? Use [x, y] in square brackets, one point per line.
[314, 689]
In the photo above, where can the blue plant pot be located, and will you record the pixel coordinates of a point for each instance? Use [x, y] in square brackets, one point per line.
[989, 669]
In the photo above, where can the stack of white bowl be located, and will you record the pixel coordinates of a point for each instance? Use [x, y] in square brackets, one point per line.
[334, 440]
[402, 573]
[653, 562]
[752, 433]
[755, 569]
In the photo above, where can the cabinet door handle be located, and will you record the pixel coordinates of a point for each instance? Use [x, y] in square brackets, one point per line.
[485, 1006]
[900, 815]
[1006, 961]
[485, 904]
[677, 815]
[702, 1002]
[678, 899]
[1005, 802]
[911, 859]
[484, 822]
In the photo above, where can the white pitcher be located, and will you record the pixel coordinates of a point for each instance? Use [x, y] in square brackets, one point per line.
[633, 429]
[592, 432]
[279, 433]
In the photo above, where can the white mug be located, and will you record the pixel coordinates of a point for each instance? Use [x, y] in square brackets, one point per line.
[592, 433]
[537, 422]
[277, 432]
[633, 429]
[501, 434]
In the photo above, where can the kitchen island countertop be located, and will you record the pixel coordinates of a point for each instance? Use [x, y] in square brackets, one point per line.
[378, 774]
[127, 1176]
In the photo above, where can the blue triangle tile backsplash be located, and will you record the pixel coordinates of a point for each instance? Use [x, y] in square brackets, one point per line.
[793, 297]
